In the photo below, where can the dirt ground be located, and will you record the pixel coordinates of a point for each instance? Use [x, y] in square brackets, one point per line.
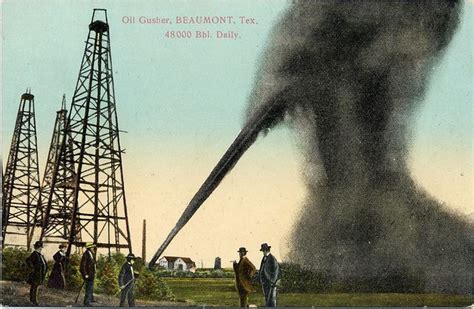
[17, 294]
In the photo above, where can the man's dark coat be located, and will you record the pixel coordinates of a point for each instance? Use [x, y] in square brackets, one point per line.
[39, 267]
[88, 265]
[244, 271]
[126, 274]
[127, 283]
[269, 272]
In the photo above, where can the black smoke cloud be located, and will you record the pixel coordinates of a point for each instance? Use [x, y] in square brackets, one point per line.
[350, 76]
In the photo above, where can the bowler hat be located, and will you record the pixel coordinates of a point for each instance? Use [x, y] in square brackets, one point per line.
[90, 245]
[130, 256]
[242, 249]
[265, 247]
[38, 244]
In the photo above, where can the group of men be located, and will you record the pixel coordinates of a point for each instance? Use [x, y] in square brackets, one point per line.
[268, 275]
[245, 271]
[39, 268]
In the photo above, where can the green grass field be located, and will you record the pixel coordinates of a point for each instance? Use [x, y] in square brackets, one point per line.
[221, 292]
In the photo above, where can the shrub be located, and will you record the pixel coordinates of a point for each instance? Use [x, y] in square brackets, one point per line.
[296, 279]
[14, 266]
[150, 286]
[139, 264]
[394, 281]
[119, 258]
[107, 274]
[72, 274]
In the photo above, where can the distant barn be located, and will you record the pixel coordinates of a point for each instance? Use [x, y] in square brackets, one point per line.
[177, 263]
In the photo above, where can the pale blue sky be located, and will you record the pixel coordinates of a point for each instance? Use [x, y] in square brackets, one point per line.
[449, 96]
[182, 101]
[182, 89]
[167, 88]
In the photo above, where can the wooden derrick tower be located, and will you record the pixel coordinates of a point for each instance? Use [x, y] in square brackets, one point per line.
[21, 188]
[98, 207]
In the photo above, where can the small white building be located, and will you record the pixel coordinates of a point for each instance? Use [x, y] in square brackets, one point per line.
[177, 263]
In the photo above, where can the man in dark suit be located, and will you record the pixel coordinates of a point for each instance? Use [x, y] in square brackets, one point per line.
[39, 267]
[244, 271]
[126, 281]
[269, 274]
[88, 269]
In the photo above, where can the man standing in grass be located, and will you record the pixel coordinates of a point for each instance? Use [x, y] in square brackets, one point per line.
[269, 274]
[88, 269]
[244, 271]
[127, 281]
[39, 267]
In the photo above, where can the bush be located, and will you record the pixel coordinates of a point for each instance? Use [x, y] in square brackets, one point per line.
[296, 279]
[72, 274]
[139, 264]
[118, 258]
[14, 266]
[107, 274]
[394, 281]
[150, 286]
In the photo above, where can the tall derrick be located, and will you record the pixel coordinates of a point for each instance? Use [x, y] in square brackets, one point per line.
[21, 180]
[58, 228]
[99, 208]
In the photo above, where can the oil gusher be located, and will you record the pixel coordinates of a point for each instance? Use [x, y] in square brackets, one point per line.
[264, 118]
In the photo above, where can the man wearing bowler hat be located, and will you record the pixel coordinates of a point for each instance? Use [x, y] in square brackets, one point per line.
[88, 269]
[269, 274]
[126, 281]
[39, 267]
[244, 271]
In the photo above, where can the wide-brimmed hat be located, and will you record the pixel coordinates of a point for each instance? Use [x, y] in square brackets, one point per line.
[62, 246]
[265, 247]
[38, 244]
[242, 249]
[90, 245]
[130, 256]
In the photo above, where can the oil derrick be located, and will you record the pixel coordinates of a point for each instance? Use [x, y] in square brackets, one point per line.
[99, 208]
[21, 180]
[60, 215]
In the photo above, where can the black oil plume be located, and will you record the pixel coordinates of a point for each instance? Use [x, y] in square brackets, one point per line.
[350, 76]
[356, 73]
